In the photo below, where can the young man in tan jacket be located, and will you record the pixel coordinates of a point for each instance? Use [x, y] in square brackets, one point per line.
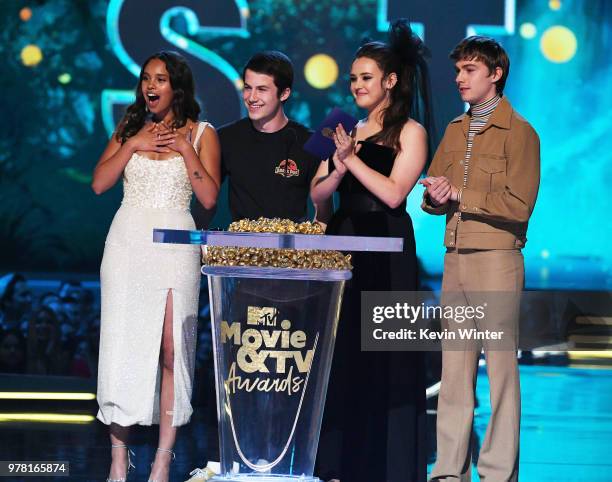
[484, 177]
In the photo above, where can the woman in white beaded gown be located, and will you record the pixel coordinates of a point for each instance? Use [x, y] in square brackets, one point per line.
[150, 291]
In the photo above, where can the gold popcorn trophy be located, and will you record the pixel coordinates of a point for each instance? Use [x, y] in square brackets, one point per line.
[275, 292]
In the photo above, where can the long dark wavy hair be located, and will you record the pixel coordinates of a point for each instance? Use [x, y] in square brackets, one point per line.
[184, 104]
[405, 54]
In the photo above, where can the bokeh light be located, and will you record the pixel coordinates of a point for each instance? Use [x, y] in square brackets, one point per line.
[31, 55]
[321, 71]
[25, 14]
[558, 44]
[528, 30]
[554, 4]
[64, 78]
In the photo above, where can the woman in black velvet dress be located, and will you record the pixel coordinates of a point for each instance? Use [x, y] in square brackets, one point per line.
[374, 420]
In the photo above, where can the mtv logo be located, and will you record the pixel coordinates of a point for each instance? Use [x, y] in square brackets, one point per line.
[265, 315]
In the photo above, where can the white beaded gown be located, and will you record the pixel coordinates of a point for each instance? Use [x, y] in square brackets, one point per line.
[136, 276]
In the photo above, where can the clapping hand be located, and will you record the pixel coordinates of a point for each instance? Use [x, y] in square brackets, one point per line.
[345, 149]
[440, 190]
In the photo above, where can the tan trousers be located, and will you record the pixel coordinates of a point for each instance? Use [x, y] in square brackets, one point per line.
[467, 272]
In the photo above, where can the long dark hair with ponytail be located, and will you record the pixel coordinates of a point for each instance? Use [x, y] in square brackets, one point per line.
[404, 54]
[184, 104]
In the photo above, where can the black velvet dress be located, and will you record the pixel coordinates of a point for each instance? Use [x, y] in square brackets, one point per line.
[374, 421]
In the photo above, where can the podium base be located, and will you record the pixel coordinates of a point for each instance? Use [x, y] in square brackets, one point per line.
[264, 478]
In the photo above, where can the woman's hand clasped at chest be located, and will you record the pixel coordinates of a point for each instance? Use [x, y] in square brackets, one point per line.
[152, 138]
[180, 142]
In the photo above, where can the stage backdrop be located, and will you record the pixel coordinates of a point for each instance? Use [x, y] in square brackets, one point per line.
[69, 69]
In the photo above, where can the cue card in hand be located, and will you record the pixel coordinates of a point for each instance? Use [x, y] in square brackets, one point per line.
[321, 143]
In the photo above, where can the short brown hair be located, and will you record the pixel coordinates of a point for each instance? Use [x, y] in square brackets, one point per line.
[275, 64]
[488, 51]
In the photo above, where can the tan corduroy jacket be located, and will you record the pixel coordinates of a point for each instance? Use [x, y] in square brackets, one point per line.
[502, 184]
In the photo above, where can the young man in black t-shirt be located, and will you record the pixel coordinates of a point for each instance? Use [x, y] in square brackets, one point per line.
[268, 171]
[262, 156]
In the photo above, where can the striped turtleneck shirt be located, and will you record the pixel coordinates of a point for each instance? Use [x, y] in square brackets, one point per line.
[479, 115]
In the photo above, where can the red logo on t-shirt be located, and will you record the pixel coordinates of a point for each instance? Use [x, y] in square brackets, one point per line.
[287, 168]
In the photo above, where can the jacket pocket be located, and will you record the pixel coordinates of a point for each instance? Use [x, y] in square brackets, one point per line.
[491, 173]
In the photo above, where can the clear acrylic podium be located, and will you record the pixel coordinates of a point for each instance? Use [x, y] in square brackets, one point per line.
[274, 331]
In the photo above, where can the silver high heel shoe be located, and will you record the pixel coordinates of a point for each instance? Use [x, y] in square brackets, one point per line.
[131, 466]
[167, 451]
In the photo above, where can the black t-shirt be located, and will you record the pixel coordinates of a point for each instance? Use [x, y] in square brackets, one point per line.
[269, 173]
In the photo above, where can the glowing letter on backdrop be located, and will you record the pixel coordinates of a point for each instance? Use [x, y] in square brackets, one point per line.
[139, 28]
